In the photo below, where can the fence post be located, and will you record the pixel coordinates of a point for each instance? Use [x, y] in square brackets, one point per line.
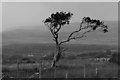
[84, 72]
[40, 69]
[66, 75]
[96, 70]
[97, 73]
[18, 68]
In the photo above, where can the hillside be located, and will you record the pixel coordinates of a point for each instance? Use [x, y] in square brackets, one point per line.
[38, 35]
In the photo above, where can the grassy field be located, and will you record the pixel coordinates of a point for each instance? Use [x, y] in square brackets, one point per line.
[75, 63]
[74, 68]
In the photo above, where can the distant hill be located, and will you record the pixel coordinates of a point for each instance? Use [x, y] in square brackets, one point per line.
[37, 34]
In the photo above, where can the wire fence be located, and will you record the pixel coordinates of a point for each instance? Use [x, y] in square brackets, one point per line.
[41, 72]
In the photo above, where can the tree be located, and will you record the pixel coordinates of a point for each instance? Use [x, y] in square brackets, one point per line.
[59, 19]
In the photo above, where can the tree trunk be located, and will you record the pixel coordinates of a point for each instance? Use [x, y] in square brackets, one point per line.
[57, 56]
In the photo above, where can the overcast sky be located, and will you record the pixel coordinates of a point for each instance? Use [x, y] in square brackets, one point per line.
[23, 14]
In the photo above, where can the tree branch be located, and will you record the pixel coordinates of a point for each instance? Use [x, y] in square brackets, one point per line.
[69, 39]
[76, 30]
[58, 29]
[51, 30]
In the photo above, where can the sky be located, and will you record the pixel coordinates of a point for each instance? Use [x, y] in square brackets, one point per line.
[24, 14]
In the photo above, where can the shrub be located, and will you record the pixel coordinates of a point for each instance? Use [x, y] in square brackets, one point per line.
[114, 58]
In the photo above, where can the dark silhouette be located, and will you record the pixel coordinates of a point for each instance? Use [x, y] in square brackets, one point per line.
[59, 19]
[114, 58]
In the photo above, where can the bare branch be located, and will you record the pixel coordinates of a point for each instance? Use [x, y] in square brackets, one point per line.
[52, 31]
[76, 30]
[76, 37]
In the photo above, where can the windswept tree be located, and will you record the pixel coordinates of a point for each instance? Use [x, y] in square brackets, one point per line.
[57, 20]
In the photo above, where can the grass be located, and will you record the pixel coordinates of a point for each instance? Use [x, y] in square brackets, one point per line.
[73, 63]
[74, 68]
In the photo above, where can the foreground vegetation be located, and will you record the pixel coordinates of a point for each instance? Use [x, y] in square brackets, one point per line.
[74, 64]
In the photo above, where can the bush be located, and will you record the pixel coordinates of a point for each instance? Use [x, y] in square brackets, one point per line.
[27, 60]
[114, 58]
